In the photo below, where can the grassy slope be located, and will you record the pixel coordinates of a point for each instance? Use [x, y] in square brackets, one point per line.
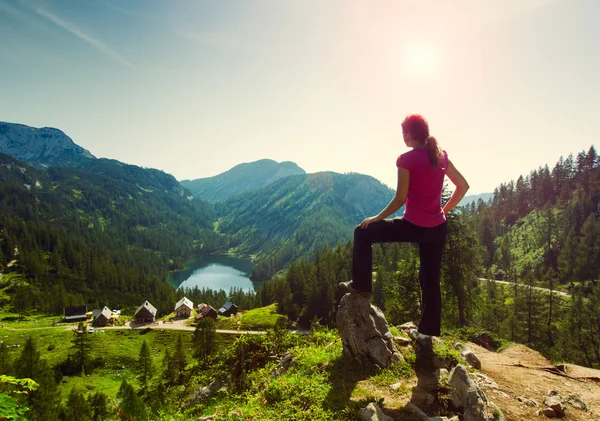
[256, 319]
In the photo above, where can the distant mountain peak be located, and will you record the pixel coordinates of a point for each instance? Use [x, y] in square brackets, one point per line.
[41, 146]
[241, 179]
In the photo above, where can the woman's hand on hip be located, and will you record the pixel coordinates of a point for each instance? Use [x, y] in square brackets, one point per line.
[367, 221]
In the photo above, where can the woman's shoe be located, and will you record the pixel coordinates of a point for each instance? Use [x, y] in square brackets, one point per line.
[349, 289]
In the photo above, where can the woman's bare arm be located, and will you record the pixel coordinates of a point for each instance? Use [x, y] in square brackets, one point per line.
[396, 203]
[461, 187]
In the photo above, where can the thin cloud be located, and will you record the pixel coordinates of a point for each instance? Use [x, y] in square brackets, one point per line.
[99, 45]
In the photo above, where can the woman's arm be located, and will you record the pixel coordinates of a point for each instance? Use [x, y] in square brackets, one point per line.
[461, 187]
[396, 203]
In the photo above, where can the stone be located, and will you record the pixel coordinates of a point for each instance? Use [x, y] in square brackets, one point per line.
[416, 411]
[438, 418]
[555, 402]
[286, 362]
[467, 395]
[365, 335]
[468, 355]
[407, 326]
[396, 386]
[576, 402]
[206, 392]
[483, 381]
[471, 359]
[440, 372]
[529, 402]
[209, 418]
[373, 412]
[547, 412]
[402, 341]
[484, 340]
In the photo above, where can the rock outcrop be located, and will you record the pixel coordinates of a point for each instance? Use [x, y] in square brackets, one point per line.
[365, 335]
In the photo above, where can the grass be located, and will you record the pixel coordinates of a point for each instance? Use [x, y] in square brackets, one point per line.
[257, 319]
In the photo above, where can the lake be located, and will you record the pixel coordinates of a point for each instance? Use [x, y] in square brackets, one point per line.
[216, 272]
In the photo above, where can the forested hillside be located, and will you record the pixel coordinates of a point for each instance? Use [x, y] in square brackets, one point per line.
[97, 239]
[240, 179]
[295, 216]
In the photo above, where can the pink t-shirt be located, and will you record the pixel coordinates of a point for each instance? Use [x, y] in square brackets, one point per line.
[423, 205]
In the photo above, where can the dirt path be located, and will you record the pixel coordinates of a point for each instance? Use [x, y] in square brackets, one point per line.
[521, 372]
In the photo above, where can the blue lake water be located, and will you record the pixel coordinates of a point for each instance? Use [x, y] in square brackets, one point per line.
[215, 272]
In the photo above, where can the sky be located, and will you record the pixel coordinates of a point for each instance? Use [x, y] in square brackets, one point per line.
[195, 87]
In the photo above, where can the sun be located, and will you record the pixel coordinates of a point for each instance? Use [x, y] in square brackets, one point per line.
[421, 59]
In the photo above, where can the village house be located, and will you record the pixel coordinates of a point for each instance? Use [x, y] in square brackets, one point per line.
[146, 313]
[228, 309]
[76, 314]
[184, 308]
[101, 317]
[205, 310]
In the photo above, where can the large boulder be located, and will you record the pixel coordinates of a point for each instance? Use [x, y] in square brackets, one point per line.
[468, 396]
[365, 335]
[373, 413]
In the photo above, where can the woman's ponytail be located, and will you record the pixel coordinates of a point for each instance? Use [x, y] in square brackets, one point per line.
[435, 153]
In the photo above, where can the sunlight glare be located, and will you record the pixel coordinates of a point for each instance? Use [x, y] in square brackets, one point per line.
[421, 60]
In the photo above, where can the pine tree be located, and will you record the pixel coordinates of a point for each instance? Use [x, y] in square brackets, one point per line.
[5, 360]
[179, 360]
[204, 339]
[81, 345]
[77, 407]
[28, 363]
[131, 406]
[145, 363]
[99, 406]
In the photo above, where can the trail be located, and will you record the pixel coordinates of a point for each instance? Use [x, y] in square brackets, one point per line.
[564, 294]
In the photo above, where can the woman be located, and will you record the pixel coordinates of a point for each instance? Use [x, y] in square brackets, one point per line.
[421, 174]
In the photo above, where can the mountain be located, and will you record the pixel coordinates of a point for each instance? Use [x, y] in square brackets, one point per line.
[91, 230]
[43, 147]
[240, 179]
[467, 200]
[296, 215]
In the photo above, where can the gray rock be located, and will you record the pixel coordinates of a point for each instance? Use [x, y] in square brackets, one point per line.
[547, 412]
[482, 380]
[286, 362]
[468, 355]
[576, 402]
[441, 372]
[373, 413]
[467, 395]
[365, 335]
[416, 411]
[555, 402]
[407, 326]
[402, 341]
[529, 402]
[471, 359]
[206, 392]
[438, 418]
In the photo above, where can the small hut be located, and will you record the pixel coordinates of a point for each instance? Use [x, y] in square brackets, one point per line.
[205, 310]
[76, 314]
[228, 309]
[184, 308]
[101, 317]
[146, 313]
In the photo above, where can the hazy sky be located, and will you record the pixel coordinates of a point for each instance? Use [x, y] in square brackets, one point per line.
[195, 87]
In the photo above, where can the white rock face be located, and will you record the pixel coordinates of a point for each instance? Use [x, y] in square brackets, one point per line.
[41, 146]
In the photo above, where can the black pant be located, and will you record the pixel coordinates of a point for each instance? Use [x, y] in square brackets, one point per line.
[431, 246]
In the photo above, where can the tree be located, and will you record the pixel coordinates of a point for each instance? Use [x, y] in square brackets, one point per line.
[145, 363]
[179, 360]
[77, 407]
[463, 258]
[131, 406]
[4, 360]
[81, 346]
[204, 339]
[99, 406]
[28, 363]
